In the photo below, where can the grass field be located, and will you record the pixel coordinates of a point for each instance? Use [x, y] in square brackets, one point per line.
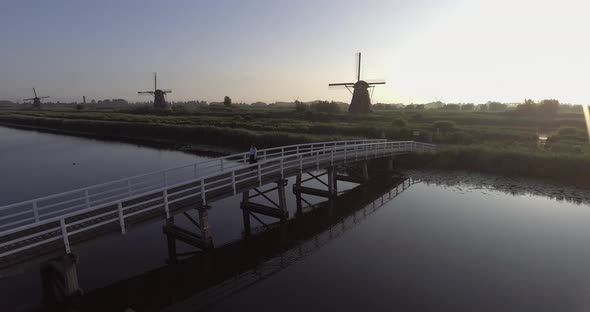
[490, 140]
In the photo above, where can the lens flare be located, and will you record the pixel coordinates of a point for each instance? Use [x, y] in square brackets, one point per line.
[587, 116]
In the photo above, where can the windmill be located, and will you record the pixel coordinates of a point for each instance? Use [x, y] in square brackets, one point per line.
[361, 101]
[36, 100]
[159, 95]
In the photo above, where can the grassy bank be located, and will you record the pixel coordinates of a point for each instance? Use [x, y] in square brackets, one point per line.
[490, 142]
[192, 134]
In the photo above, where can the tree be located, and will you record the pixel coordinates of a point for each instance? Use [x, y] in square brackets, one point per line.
[451, 107]
[468, 107]
[496, 106]
[529, 102]
[526, 108]
[227, 101]
[549, 106]
[301, 107]
[325, 107]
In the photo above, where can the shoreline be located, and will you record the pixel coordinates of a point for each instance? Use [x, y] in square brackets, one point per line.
[561, 169]
[186, 147]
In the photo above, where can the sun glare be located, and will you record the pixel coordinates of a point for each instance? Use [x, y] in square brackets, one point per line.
[587, 116]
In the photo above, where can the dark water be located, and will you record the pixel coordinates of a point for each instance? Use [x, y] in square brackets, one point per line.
[453, 242]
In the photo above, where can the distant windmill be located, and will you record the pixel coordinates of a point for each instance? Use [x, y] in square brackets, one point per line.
[159, 95]
[36, 100]
[361, 101]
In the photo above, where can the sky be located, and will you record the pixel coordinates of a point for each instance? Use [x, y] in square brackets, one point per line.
[281, 50]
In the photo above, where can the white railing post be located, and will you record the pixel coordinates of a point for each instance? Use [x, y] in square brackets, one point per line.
[317, 161]
[64, 233]
[345, 148]
[221, 163]
[35, 211]
[300, 163]
[332, 158]
[121, 217]
[86, 198]
[245, 158]
[297, 150]
[166, 207]
[233, 181]
[282, 152]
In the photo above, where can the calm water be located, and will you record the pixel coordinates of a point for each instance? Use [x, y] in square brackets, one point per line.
[453, 242]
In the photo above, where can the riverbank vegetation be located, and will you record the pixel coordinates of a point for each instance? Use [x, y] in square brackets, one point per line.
[541, 141]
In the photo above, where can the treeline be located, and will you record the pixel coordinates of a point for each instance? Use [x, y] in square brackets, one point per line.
[320, 107]
[528, 106]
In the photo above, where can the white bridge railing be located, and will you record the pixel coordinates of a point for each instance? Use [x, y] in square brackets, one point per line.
[167, 187]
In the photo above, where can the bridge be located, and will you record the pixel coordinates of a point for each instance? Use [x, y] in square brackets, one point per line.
[240, 264]
[52, 224]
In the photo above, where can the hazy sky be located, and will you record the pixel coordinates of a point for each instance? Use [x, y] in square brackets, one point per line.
[274, 50]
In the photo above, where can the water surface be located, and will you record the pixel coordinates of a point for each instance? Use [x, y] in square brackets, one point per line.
[453, 241]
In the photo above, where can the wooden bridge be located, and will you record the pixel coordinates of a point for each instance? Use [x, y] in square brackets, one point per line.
[240, 264]
[54, 223]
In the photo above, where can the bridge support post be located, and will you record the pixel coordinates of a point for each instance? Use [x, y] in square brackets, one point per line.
[200, 237]
[246, 214]
[204, 223]
[298, 188]
[59, 277]
[364, 171]
[172, 251]
[298, 199]
[278, 209]
[390, 163]
[282, 198]
[332, 182]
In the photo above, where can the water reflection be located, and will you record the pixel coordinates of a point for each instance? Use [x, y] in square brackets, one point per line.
[517, 186]
[207, 277]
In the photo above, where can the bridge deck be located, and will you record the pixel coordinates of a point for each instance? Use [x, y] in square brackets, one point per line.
[64, 221]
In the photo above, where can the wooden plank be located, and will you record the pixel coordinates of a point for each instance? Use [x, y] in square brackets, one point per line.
[186, 236]
[311, 191]
[264, 210]
[346, 178]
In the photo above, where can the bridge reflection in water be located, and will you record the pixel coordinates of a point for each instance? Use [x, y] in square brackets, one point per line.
[198, 280]
[53, 224]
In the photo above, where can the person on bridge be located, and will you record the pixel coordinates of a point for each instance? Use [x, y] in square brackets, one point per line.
[253, 152]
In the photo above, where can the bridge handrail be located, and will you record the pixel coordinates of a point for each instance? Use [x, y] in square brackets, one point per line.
[167, 194]
[331, 149]
[214, 160]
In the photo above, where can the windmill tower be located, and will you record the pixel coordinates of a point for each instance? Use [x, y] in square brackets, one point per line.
[159, 95]
[361, 100]
[36, 100]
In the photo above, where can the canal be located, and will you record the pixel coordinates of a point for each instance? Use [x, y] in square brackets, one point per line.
[437, 241]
